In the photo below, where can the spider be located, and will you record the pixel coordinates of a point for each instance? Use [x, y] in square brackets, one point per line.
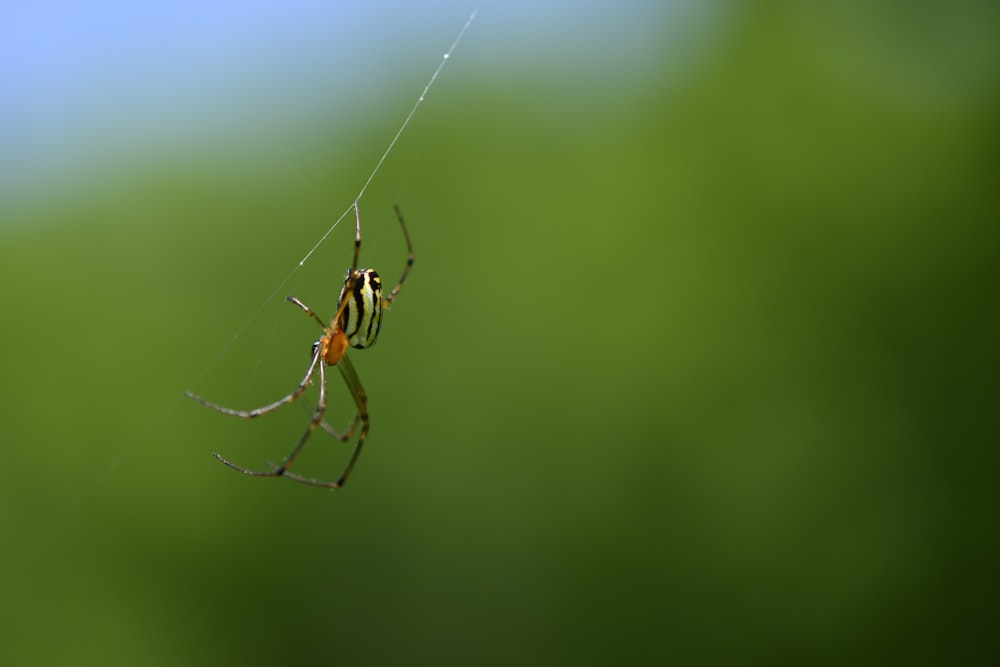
[355, 323]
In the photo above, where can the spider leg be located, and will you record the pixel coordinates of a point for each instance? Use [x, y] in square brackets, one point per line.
[409, 260]
[361, 400]
[346, 435]
[283, 468]
[357, 237]
[307, 309]
[263, 410]
[350, 376]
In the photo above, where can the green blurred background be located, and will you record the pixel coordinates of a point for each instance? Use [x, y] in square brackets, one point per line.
[697, 363]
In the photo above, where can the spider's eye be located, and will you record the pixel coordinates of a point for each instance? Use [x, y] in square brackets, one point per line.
[314, 348]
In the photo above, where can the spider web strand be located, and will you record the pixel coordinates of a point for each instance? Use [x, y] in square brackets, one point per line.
[392, 144]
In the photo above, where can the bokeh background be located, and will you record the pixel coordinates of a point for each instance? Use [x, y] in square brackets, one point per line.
[697, 363]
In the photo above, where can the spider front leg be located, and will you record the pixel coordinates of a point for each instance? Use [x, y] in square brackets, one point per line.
[263, 410]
